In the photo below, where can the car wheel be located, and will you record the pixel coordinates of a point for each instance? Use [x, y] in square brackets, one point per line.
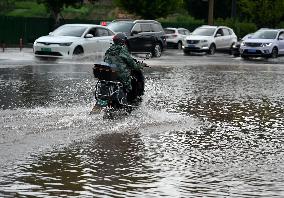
[157, 52]
[212, 49]
[274, 53]
[78, 51]
[179, 45]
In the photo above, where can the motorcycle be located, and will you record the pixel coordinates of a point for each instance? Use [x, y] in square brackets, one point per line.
[110, 93]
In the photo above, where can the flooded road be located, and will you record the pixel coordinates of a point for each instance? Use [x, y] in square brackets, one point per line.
[207, 127]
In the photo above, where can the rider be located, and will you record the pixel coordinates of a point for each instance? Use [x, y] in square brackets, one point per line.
[118, 54]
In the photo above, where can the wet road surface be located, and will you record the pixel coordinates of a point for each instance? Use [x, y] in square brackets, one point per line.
[208, 126]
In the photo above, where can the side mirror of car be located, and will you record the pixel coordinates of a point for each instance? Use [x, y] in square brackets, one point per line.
[89, 36]
[218, 35]
[134, 32]
[50, 33]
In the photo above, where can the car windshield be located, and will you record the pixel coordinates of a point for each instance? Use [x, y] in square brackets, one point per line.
[76, 31]
[121, 26]
[265, 34]
[169, 31]
[204, 31]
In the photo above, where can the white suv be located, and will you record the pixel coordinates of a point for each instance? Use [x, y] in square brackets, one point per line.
[176, 36]
[209, 39]
[264, 43]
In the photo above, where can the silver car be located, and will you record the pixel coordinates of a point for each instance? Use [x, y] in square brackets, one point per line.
[209, 39]
[268, 43]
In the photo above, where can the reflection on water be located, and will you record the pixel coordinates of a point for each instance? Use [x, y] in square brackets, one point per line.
[206, 131]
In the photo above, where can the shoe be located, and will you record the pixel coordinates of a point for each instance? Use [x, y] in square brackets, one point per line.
[96, 109]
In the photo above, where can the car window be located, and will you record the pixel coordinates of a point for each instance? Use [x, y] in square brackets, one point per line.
[101, 32]
[265, 34]
[226, 32]
[187, 32]
[220, 31]
[169, 31]
[181, 32]
[76, 31]
[136, 28]
[204, 31]
[110, 33]
[156, 27]
[281, 36]
[121, 26]
[93, 32]
[145, 27]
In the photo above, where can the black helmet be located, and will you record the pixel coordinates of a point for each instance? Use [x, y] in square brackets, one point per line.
[119, 38]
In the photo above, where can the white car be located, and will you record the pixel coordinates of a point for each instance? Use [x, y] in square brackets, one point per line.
[176, 36]
[74, 39]
[209, 39]
[267, 43]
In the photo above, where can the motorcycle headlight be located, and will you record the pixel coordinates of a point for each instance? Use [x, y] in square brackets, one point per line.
[65, 44]
[266, 44]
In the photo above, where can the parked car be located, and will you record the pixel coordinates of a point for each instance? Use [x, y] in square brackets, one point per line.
[268, 43]
[74, 39]
[236, 47]
[143, 36]
[176, 36]
[209, 39]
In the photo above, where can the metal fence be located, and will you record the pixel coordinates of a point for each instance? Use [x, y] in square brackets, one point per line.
[12, 29]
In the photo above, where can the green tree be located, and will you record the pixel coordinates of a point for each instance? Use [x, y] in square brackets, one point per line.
[149, 9]
[199, 8]
[6, 5]
[265, 13]
[56, 6]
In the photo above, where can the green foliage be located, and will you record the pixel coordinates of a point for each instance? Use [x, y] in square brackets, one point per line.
[185, 21]
[265, 13]
[6, 5]
[240, 28]
[149, 9]
[281, 25]
[28, 9]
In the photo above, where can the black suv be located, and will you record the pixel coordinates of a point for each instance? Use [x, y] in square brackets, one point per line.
[142, 35]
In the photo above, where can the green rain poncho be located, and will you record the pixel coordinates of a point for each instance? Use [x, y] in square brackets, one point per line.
[119, 55]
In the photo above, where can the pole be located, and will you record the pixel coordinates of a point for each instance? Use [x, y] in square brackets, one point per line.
[234, 9]
[21, 44]
[210, 12]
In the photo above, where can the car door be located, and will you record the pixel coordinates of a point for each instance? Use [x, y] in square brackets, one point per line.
[134, 40]
[226, 38]
[91, 44]
[141, 39]
[105, 39]
[219, 39]
[281, 43]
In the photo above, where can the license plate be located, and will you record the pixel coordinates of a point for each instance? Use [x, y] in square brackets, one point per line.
[46, 49]
[191, 45]
[251, 50]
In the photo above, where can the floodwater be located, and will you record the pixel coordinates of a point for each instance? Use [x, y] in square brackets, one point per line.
[200, 131]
